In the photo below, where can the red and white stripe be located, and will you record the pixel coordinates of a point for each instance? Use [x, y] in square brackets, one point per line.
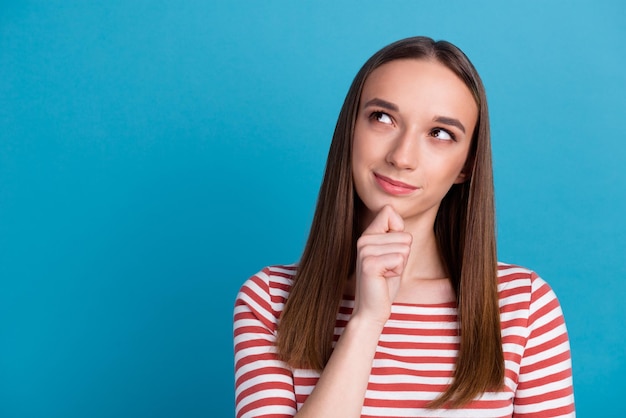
[415, 357]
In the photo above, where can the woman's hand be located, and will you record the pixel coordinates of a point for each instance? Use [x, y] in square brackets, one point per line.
[382, 252]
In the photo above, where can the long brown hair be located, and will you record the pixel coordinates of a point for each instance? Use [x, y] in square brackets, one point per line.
[464, 227]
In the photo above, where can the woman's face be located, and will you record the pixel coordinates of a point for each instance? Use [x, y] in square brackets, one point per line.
[412, 136]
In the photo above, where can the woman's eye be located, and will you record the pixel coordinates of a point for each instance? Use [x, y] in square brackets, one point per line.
[381, 117]
[442, 134]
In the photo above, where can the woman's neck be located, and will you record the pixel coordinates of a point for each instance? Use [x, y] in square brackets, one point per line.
[425, 260]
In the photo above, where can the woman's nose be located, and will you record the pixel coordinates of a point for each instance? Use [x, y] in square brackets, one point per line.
[404, 152]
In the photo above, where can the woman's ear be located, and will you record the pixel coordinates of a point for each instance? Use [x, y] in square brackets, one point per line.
[462, 177]
[466, 172]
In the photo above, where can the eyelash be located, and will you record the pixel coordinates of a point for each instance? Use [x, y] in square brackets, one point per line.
[452, 136]
[377, 114]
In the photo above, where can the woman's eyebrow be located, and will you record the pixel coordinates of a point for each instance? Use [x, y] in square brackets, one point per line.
[381, 103]
[449, 121]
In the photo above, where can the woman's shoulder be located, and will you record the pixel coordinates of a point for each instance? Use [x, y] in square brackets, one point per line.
[513, 273]
[278, 275]
[261, 298]
[517, 284]
[271, 285]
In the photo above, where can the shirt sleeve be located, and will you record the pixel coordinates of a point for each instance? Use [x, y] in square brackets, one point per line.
[545, 387]
[263, 383]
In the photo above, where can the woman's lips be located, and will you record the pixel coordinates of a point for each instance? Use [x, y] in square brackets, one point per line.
[394, 187]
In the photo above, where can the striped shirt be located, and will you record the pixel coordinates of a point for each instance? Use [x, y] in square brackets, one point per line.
[416, 353]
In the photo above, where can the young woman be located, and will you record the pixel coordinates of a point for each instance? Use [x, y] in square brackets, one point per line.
[398, 306]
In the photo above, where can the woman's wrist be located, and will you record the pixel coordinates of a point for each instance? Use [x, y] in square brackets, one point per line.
[364, 326]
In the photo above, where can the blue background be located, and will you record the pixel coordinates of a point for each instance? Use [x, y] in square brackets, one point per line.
[155, 154]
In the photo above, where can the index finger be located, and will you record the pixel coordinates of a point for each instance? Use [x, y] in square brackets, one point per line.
[387, 220]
